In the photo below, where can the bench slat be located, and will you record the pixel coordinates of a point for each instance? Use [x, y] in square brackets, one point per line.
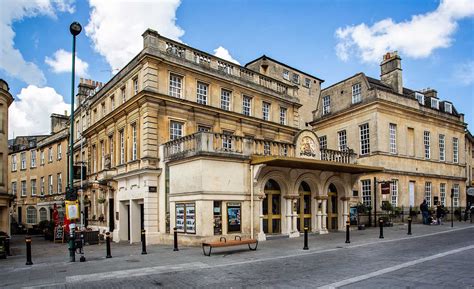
[230, 243]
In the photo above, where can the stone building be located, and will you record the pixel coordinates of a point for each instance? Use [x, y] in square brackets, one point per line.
[416, 136]
[38, 173]
[181, 138]
[5, 198]
[469, 148]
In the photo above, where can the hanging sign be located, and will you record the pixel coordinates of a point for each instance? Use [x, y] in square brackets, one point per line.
[385, 188]
[72, 210]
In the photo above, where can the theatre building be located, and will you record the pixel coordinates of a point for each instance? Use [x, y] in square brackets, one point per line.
[181, 138]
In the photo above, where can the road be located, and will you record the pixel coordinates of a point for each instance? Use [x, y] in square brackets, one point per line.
[433, 260]
[398, 264]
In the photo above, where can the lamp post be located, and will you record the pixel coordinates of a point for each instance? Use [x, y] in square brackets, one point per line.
[452, 207]
[75, 28]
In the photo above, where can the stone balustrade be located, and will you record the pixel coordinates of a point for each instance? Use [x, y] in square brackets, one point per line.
[208, 143]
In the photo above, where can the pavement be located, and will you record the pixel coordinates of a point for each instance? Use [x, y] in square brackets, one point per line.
[432, 257]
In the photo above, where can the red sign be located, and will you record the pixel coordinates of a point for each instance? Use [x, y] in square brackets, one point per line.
[385, 188]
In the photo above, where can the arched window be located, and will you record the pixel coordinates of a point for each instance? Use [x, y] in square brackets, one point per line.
[43, 214]
[31, 215]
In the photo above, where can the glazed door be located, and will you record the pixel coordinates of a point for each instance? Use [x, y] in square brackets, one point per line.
[272, 212]
[332, 211]
[303, 208]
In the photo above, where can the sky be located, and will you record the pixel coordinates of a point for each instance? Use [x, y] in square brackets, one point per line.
[329, 39]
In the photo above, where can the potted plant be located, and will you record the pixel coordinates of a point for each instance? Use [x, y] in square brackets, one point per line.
[361, 209]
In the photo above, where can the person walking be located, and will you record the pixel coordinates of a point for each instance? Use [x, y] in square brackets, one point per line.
[439, 214]
[424, 212]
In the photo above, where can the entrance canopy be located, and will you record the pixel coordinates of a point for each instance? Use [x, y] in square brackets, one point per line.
[313, 164]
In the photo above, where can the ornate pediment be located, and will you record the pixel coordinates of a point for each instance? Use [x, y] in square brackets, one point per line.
[307, 145]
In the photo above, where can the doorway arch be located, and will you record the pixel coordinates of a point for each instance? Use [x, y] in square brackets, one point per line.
[333, 208]
[303, 207]
[271, 208]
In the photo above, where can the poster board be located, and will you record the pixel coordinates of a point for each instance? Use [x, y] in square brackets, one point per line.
[190, 218]
[180, 218]
[233, 217]
[59, 234]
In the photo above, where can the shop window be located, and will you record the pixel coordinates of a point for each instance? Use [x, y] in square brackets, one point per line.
[186, 218]
[233, 217]
[217, 218]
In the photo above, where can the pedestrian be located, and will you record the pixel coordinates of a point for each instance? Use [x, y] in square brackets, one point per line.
[466, 213]
[439, 213]
[424, 212]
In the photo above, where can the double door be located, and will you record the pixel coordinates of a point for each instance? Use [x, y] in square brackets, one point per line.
[271, 208]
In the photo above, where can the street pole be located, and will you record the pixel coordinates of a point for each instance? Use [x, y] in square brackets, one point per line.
[452, 207]
[75, 28]
[375, 202]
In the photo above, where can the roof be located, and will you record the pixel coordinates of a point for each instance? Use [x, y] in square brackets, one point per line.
[283, 64]
[407, 92]
[312, 164]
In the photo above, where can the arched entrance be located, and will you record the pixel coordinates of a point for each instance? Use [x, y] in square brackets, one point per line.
[332, 208]
[303, 207]
[271, 208]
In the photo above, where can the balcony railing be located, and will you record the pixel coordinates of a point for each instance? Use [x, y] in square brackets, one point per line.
[208, 143]
[347, 156]
[230, 145]
[227, 68]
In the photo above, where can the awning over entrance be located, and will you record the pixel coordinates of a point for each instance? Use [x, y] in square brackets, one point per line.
[311, 164]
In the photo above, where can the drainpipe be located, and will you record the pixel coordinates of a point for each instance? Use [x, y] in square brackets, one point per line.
[251, 202]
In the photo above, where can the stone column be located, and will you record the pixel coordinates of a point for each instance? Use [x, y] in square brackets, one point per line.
[345, 212]
[261, 235]
[295, 217]
[288, 215]
[324, 215]
[291, 216]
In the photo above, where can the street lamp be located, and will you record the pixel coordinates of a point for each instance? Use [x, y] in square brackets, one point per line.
[75, 28]
[452, 207]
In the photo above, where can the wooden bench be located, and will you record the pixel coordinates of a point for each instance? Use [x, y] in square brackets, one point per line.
[224, 243]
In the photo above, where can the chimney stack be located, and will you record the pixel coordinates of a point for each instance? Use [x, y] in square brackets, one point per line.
[391, 71]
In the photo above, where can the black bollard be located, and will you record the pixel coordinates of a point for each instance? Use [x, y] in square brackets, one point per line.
[175, 239]
[409, 226]
[83, 258]
[305, 247]
[143, 243]
[28, 250]
[348, 238]
[7, 246]
[381, 228]
[107, 242]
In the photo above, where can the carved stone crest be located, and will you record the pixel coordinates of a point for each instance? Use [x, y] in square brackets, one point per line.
[308, 147]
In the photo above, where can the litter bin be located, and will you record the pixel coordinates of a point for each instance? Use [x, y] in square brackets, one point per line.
[3, 248]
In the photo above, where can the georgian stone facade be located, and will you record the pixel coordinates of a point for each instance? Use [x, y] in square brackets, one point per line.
[418, 138]
[5, 197]
[37, 168]
[180, 138]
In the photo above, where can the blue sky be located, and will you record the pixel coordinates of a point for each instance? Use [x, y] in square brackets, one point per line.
[329, 39]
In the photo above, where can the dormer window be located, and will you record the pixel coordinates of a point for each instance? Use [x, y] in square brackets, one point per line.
[448, 107]
[420, 97]
[434, 103]
[307, 82]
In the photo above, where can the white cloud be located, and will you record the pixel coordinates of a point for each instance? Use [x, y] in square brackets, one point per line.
[416, 38]
[223, 53]
[61, 62]
[11, 60]
[465, 73]
[30, 112]
[115, 27]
